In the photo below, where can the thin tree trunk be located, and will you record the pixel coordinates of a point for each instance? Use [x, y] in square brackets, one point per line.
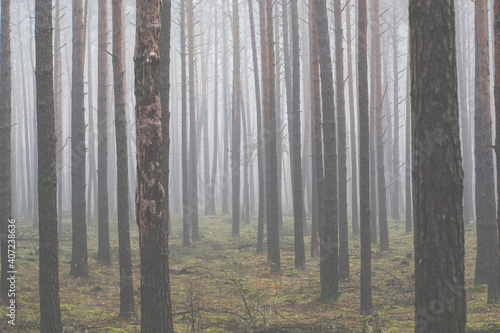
[58, 109]
[236, 123]
[354, 167]
[204, 114]
[34, 159]
[156, 310]
[265, 110]
[396, 186]
[260, 147]
[28, 152]
[496, 33]
[193, 156]
[186, 219]
[487, 270]
[343, 224]
[465, 129]
[127, 307]
[373, 138]
[226, 117]
[318, 215]
[279, 135]
[377, 63]
[408, 193]
[50, 311]
[103, 253]
[245, 111]
[92, 183]
[212, 210]
[246, 162]
[295, 139]
[79, 266]
[273, 237]
[366, 306]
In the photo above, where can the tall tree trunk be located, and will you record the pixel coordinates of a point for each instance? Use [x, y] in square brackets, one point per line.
[343, 224]
[487, 242]
[329, 229]
[496, 22]
[396, 186]
[265, 109]
[465, 129]
[92, 183]
[226, 117]
[34, 159]
[260, 147]
[318, 214]
[204, 114]
[293, 109]
[307, 180]
[103, 253]
[212, 210]
[127, 307]
[213, 181]
[437, 170]
[270, 133]
[79, 266]
[50, 311]
[58, 109]
[236, 123]
[279, 135]
[156, 310]
[408, 192]
[193, 156]
[246, 160]
[354, 167]
[26, 116]
[186, 219]
[373, 160]
[373, 135]
[366, 306]
[377, 63]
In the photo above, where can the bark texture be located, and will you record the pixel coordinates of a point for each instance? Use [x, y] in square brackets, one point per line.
[329, 229]
[50, 311]
[79, 266]
[156, 310]
[496, 36]
[104, 252]
[437, 169]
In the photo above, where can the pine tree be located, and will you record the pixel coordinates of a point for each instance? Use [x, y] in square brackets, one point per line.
[437, 169]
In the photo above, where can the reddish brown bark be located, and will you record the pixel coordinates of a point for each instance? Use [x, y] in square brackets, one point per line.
[156, 311]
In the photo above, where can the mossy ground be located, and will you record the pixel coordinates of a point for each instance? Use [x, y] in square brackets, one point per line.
[231, 288]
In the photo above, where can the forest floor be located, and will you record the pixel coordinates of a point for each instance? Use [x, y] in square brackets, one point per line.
[229, 288]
